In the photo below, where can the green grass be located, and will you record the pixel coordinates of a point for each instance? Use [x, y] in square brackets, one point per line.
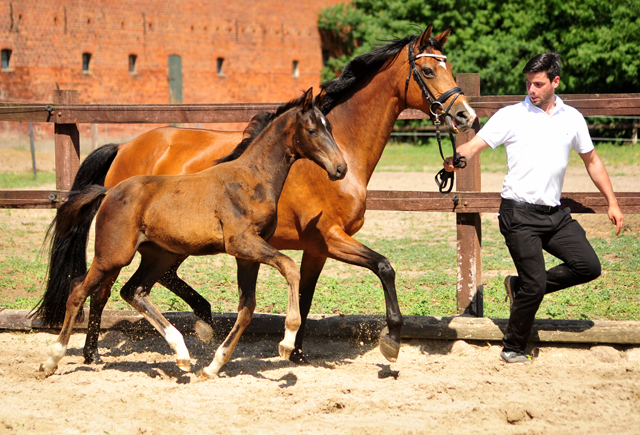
[20, 180]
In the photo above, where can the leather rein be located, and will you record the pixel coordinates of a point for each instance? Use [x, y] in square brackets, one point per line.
[443, 179]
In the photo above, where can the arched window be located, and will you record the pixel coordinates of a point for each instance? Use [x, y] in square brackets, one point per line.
[86, 59]
[132, 63]
[296, 72]
[6, 58]
[219, 62]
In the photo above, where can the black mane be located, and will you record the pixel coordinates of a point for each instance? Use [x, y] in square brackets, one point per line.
[365, 65]
[257, 124]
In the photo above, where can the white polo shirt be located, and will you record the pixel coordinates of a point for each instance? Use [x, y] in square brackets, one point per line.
[537, 146]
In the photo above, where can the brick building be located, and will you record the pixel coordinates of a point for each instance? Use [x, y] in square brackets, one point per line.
[146, 51]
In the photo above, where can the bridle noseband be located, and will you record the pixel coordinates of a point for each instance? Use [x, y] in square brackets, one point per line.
[444, 179]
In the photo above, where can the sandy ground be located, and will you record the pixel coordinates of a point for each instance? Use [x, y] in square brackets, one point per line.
[439, 387]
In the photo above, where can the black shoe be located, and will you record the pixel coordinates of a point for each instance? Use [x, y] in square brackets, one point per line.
[511, 287]
[514, 357]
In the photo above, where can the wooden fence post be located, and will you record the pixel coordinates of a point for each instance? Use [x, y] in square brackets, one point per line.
[67, 142]
[468, 225]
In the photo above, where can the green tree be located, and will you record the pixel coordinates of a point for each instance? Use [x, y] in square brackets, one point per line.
[597, 39]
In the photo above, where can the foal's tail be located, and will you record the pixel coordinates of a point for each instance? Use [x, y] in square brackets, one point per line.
[69, 232]
[67, 253]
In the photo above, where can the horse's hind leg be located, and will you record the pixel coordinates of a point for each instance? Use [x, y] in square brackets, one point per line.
[80, 289]
[247, 274]
[136, 292]
[200, 306]
[310, 270]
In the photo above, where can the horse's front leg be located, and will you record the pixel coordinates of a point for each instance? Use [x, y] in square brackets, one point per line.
[247, 276]
[344, 248]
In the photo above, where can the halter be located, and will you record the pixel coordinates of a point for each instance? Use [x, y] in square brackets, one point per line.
[443, 178]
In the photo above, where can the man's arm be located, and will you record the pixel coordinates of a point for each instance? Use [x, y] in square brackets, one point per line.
[468, 150]
[600, 178]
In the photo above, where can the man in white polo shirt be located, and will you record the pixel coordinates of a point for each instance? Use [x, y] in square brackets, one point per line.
[538, 135]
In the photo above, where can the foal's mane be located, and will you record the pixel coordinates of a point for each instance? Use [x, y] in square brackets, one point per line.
[367, 64]
[258, 124]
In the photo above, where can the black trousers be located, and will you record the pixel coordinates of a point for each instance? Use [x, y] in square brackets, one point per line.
[527, 230]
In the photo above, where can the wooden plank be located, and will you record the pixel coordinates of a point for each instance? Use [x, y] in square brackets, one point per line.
[30, 198]
[159, 114]
[587, 104]
[489, 202]
[485, 106]
[363, 326]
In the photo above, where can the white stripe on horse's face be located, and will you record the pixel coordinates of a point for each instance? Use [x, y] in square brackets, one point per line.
[324, 121]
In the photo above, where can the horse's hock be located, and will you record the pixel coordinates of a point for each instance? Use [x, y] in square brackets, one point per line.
[467, 201]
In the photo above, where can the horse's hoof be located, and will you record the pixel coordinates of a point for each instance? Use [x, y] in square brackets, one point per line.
[285, 351]
[204, 331]
[389, 348]
[92, 359]
[44, 373]
[184, 364]
[298, 357]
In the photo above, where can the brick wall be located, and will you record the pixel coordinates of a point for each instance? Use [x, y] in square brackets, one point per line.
[258, 39]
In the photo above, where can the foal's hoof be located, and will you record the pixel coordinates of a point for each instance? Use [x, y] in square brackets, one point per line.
[285, 351]
[204, 331]
[184, 365]
[389, 348]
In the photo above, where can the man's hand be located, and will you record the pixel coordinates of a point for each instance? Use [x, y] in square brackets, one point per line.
[448, 165]
[616, 218]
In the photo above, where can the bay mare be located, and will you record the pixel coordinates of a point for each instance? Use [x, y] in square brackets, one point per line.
[228, 208]
[315, 215]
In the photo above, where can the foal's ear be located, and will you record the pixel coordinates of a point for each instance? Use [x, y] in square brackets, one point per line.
[423, 40]
[318, 101]
[442, 38]
[308, 100]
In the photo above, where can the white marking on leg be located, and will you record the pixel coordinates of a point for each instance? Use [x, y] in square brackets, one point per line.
[289, 340]
[176, 341]
[58, 350]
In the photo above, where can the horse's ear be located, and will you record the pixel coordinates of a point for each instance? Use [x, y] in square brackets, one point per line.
[442, 38]
[423, 40]
[318, 101]
[308, 100]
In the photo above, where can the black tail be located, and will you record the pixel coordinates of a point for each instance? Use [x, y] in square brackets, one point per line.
[67, 254]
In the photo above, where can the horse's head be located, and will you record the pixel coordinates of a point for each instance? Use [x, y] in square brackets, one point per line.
[314, 140]
[431, 87]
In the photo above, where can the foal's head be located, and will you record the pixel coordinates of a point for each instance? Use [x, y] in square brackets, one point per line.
[313, 138]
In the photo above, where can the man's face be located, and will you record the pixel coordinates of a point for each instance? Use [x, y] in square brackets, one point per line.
[541, 89]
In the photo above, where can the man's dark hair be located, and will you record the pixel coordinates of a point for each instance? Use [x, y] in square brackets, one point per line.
[548, 62]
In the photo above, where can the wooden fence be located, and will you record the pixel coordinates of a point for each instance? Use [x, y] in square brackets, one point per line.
[468, 201]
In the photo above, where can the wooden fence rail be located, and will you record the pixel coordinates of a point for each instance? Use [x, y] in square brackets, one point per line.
[467, 202]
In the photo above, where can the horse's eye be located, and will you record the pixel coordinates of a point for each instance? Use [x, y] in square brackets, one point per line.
[311, 131]
[428, 73]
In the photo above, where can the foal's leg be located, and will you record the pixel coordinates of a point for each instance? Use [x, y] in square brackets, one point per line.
[200, 306]
[255, 249]
[247, 274]
[136, 292]
[96, 306]
[81, 288]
